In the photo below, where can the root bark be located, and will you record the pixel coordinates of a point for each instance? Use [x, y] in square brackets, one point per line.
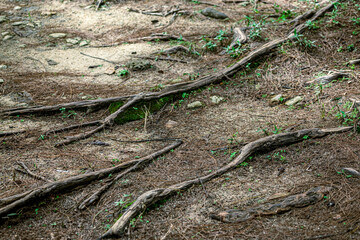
[267, 143]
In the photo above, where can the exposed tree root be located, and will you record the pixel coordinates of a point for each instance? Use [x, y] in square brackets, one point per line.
[176, 88]
[310, 197]
[161, 36]
[203, 81]
[234, 1]
[13, 203]
[5, 134]
[266, 143]
[302, 17]
[68, 128]
[96, 196]
[108, 122]
[327, 79]
[238, 39]
[354, 62]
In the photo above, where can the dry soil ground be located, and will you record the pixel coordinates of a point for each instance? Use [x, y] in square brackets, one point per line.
[244, 114]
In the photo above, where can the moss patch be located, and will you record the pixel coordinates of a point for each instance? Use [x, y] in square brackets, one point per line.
[138, 111]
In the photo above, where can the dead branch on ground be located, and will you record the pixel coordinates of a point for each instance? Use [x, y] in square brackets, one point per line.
[307, 198]
[262, 144]
[102, 59]
[13, 203]
[30, 173]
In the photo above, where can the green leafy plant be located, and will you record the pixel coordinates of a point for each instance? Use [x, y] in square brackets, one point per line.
[209, 44]
[285, 15]
[303, 41]
[312, 25]
[255, 27]
[123, 73]
[356, 21]
[221, 36]
[236, 50]
[276, 130]
[346, 114]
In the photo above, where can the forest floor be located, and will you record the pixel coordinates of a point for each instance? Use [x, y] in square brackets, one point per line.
[37, 69]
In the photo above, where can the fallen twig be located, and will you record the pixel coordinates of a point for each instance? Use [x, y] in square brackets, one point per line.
[98, 58]
[30, 173]
[266, 143]
[161, 59]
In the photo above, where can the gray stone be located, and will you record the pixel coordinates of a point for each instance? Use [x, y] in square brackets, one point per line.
[293, 101]
[7, 37]
[72, 41]
[57, 35]
[210, 12]
[171, 124]
[51, 62]
[276, 99]
[351, 171]
[31, 25]
[17, 8]
[138, 65]
[4, 34]
[19, 99]
[22, 46]
[196, 104]
[83, 43]
[18, 23]
[216, 99]
[3, 67]
[2, 19]
[22, 97]
[2, 80]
